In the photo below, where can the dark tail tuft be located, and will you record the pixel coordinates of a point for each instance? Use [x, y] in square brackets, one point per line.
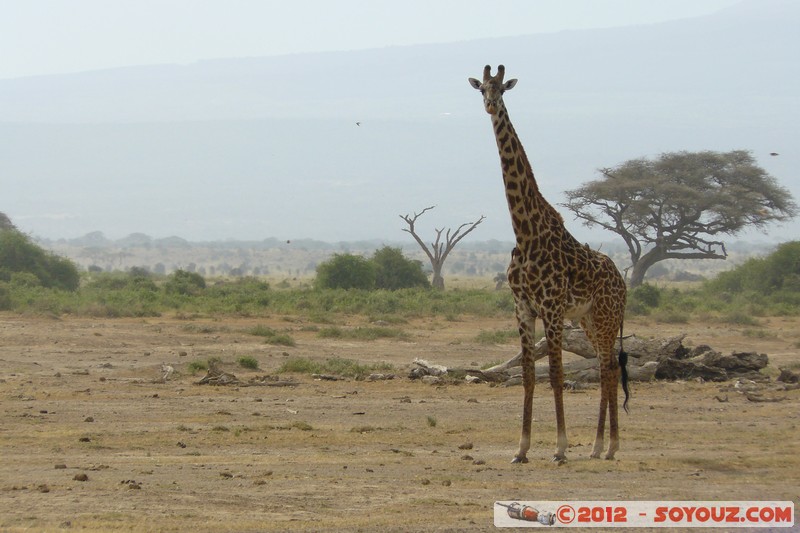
[623, 361]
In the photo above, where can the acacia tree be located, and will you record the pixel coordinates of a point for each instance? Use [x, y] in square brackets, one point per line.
[679, 205]
[438, 251]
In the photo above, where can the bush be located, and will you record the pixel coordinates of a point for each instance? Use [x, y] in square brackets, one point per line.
[186, 283]
[346, 271]
[643, 299]
[394, 271]
[766, 275]
[19, 255]
[135, 279]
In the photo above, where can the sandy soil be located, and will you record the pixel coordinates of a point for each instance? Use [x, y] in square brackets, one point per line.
[91, 440]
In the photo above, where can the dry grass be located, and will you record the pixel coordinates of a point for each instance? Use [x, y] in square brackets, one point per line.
[344, 455]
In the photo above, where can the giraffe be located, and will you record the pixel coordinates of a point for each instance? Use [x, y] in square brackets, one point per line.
[554, 277]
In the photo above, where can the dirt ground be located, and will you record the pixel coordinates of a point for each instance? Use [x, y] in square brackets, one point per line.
[91, 440]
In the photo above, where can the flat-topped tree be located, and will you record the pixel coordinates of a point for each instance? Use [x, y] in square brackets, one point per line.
[681, 204]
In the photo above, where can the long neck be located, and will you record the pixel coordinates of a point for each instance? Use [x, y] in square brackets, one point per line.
[525, 202]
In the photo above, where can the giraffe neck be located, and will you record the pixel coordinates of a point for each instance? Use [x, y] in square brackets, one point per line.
[525, 203]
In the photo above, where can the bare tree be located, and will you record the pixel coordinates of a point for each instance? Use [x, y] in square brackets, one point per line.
[438, 251]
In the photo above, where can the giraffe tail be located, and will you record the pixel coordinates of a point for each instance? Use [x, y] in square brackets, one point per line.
[623, 366]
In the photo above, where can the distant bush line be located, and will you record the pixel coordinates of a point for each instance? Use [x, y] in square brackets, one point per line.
[768, 286]
[140, 294]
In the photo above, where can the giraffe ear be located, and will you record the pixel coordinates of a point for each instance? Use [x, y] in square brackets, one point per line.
[475, 83]
[507, 86]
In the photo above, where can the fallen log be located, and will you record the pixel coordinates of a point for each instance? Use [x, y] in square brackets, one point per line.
[648, 359]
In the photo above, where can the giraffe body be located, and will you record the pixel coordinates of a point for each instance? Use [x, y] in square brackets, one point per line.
[554, 277]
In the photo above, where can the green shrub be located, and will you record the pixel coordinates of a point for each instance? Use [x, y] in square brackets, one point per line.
[185, 283]
[18, 255]
[643, 299]
[765, 275]
[346, 271]
[394, 271]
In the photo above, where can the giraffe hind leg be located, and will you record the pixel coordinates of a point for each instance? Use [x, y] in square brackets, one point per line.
[554, 329]
[609, 376]
[613, 409]
[599, 440]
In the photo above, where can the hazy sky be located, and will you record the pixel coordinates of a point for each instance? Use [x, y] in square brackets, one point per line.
[59, 36]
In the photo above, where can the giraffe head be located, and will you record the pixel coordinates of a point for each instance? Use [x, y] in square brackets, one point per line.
[492, 88]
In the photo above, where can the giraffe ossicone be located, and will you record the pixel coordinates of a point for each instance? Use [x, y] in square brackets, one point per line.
[554, 277]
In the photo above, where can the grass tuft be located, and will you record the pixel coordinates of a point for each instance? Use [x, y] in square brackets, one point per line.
[336, 366]
[247, 361]
[271, 336]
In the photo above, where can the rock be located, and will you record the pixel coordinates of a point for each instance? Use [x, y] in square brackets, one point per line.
[737, 362]
[787, 376]
[681, 369]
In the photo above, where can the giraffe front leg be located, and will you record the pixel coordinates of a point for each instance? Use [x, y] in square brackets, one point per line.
[528, 381]
[526, 317]
[557, 382]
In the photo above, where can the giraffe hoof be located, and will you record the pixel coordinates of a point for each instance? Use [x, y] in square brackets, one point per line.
[594, 456]
[518, 459]
[560, 459]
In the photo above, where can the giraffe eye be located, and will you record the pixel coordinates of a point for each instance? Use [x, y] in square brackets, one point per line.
[483, 91]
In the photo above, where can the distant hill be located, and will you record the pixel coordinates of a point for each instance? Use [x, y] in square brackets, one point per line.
[259, 147]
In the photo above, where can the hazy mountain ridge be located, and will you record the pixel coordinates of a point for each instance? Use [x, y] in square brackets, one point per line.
[704, 50]
[246, 148]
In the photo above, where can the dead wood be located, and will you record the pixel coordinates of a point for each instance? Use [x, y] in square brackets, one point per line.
[648, 359]
[217, 376]
[755, 397]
